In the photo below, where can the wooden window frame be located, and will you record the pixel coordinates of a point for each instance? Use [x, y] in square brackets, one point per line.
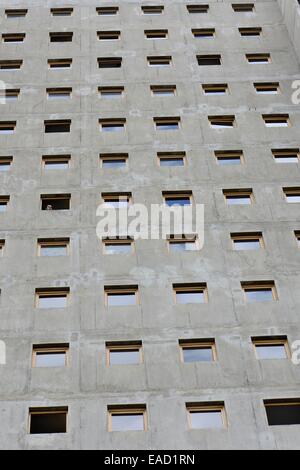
[56, 348]
[57, 122]
[55, 196]
[297, 236]
[152, 9]
[46, 411]
[118, 241]
[264, 87]
[13, 37]
[127, 410]
[110, 62]
[16, 12]
[251, 31]
[53, 242]
[203, 32]
[194, 8]
[52, 292]
[229, 154]
[177, 195]
[172, 120]
[10, 92]
[182, 239]
[4, 199]
[209, 57]
[109, 35]
[197, 344]
[154, 61]
[171, 156]
[59, 91]
[220, 121]
[56, 158]
[60, 63]
[171, 88]
[113, 156]
[271, 341]
[119, 290]
[124, 346]
[107, 11]
[106, 197]
[291, 191]
[247, 236]
[112, 89]
[112, 122]
[68, 35]
[206, 407]
[215, 88]
[2, 246]
[259, 286]
[61, 11]
[286, 152]
[199, 287]
[156, 34]
[243, 7]
[239, 193]
[254, 58]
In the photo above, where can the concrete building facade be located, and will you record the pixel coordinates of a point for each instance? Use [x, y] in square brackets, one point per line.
[256, 161]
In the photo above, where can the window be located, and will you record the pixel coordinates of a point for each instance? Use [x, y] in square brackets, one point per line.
[121, 296]
[292, 195]
[182, 243]
[283, 412]
[209, 59]
[250, 31]
[190, 293]
[108, 35]
[112, 125]
[13, 37]
[4, 200]
[215, 88]
[2, 245]
[197, 350]
[152, 9]
[109, 62]
[171, 158]
[247, 241]
[48, 420]
[286, 155]
[5, 163]
[113, 160]
[262, 58]
[55, 202]
[271, 347]
[107, 11]
[7, 127]
[57, 125]
[59, 63]
[118, 246]
[56, 162]
[276, 120]
[163, 90]
[127, 418]
[61, 37]
[124, 353]
[9, 94]
[267, 88]
[238, 196]
[243, 7]
[156, 33]
[177, 198]
[117, 200]
[111, 92]
[261, 291]
[229, 157]
[59, 93]
[159, 61]
[50, 355]
[166, 123]
[61, 11]
[52, 297]
[53, 246]
[10, 64]
[297, 235]
[206, 415]
[204, 33]
[16, 13]
[222, 122]
[197, 8]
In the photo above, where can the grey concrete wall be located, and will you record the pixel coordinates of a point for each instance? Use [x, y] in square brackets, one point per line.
[87, 386]
[291, 15]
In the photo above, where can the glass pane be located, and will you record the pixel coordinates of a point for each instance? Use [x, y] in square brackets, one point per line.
[3, 207]
[271, 352]
[166, 127]
[229, 161]
[117, 248]
[171, 162]
[127, 422]
[206, 419]
[117, 204]
[197, 354]
[114, 163]
[189, 297]
[115, 300]
[287, 159]
[183, 246]
[55, 250]
[246, 245]
[56, 165]
[261, 295]
[52, 302]
[233, 200]
[293, 199]
[112, 128]
[120, 357]
[49, 359]
[183, 201]
[4, 166]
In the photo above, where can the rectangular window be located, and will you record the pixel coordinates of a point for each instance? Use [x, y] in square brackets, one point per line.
[113, 160]
[215, 88]
[283, 412]
[57, 125]
[52, 297]
[247, 241]
[107, 11]
[292, 195]
[50, 355]
[271, 347]
[2, 245]
[156, 33]
[53, 246]
[267, 88]
[238, 196]
[297, 235]
[159, 61]
[13, 37]
[190, 293]
[166, 123]
[4, 200]
[163, 90]
[197, 8]
[276, 120]
[50, 420]
[59, 93]
[61, 11]
[117, 246]
[7, 127]
[10, 64]
[55, 202]
[124, 353]
[286, 155]
[261, 291]
[127, 418]
[56, 162]
[197, 350]
[108, 35]
[109, 62]
[112, 125]
[222, 122]
[5, 163]
[243, 7]
[182, 243]
[204, 32]
[229, 157]
[206, 415]
[152, 9]
[255, 31]
[209, 59]
[111, 92]
[16, 13]
[9, 94]
[177, 198]
[61, 37]
[59, 63]
[121, 296]
[263, 58]
[117, 200]
[171, 158]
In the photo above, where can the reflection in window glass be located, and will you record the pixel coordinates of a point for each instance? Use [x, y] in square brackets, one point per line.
[206, 419]
[271, 351]
[197, 354]
[127, 422]
[190, 297]
[119, 299]
[53, 301]
[259, 295]
[49, 359]
[124, 356]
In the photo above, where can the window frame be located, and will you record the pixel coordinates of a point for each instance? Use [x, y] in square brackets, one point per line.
[125, 346]
[127, 410]
[271, 341]
[52, 292]
[46, 411]
[206, 407]
[119, 290]
[53, 242]
[208, 343]
[199, 287]
[255, 286]
[47, 348]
